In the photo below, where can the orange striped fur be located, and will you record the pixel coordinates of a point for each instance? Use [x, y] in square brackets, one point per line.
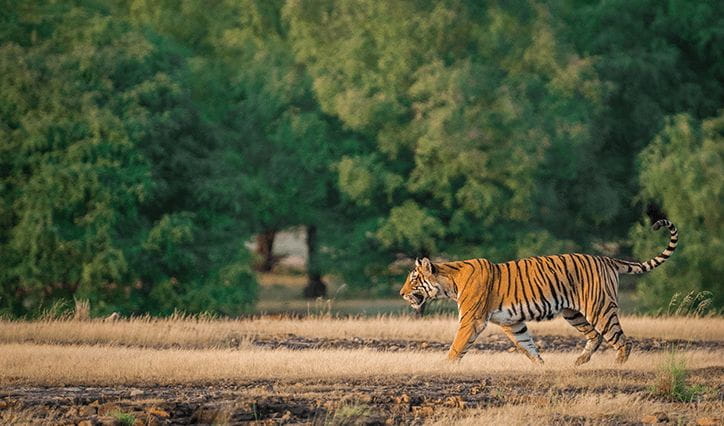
[581, 287]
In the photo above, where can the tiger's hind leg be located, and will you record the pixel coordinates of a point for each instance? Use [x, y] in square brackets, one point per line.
[577, 320]
[614, 336]
[518, 334]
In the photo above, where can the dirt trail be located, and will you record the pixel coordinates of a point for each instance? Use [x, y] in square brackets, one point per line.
[378, 400]
[493, 342]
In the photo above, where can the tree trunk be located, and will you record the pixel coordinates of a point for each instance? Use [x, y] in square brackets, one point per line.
[315, 286]
[264, 248]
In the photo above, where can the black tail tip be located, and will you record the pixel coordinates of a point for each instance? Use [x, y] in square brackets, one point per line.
[655, 214]
[664, 223]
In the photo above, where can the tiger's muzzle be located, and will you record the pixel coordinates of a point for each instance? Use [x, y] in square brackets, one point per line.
[417, 301]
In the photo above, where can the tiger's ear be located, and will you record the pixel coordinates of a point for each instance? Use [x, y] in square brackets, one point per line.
[425, 265]
[417, 262]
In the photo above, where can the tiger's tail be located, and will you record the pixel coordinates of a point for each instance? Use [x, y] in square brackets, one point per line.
[627, 267]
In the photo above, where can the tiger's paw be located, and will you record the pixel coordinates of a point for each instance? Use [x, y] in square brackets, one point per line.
[623, 353]
[535, 359]
[453, 357]
[584, 358]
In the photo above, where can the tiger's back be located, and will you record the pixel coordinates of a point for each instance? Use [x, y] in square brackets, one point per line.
[541, 287]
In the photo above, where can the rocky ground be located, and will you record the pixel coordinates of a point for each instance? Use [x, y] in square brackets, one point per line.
[369, 401]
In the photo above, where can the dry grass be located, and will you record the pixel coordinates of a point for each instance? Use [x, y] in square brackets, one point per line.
[211, 333]
[29, 416]
[322, 307]
[584, 408]
[81, 311]
[109, 365]
[196, 351]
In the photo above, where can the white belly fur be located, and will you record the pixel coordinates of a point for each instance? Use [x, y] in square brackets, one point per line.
[503, 318]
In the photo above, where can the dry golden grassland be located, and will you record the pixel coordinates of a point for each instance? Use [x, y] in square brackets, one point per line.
[203, 370]
[50, 365]
[204, 333]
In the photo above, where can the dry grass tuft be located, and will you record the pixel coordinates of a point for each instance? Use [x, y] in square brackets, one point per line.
[29, 416]
[81, 310]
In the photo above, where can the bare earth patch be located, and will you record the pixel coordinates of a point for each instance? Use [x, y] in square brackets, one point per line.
[374, 400]
[491, 343]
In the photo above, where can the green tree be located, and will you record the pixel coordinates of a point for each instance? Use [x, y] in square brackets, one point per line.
[654, 59]
[472, 142]
[103, 157]
[277, 146]
[683, 169]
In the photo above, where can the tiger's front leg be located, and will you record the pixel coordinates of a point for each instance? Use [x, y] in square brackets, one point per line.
[466, 334]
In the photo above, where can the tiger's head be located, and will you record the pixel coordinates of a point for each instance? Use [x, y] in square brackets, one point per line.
[421, 285]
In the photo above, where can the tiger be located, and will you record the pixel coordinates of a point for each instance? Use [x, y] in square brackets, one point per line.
[581, 287]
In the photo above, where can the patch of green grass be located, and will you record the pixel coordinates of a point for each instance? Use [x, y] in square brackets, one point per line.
[671, 379]
[125, 419]
[350, 414]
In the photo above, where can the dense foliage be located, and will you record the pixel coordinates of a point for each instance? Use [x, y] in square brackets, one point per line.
[684, 168]
[105, 160]
[143, 142]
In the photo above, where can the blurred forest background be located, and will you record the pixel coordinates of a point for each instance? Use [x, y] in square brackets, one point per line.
[145, 143]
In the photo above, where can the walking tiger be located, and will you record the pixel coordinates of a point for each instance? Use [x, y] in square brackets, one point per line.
[581, 287]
